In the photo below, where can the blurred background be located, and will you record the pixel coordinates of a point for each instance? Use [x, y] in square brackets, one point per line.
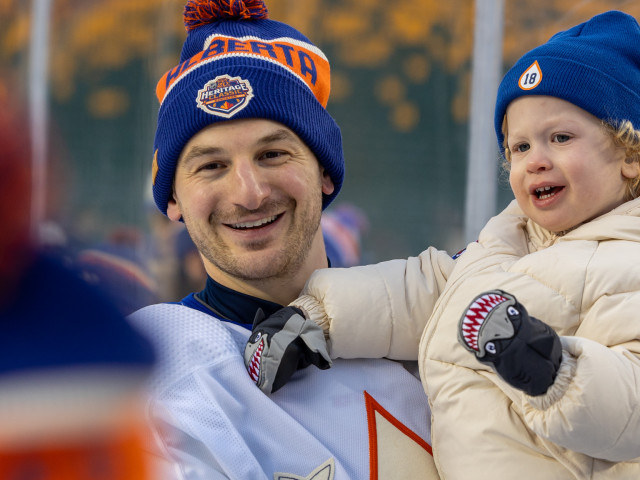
[413, 87]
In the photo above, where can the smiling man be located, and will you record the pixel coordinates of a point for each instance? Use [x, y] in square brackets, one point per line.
[247, 156]
[250, 193]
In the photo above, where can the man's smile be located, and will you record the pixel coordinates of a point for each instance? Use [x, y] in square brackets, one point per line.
[254, 223]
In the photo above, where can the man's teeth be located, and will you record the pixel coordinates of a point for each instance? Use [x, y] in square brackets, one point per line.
[541, 192]
[257, 223]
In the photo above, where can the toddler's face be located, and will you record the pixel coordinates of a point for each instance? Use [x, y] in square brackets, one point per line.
[565, 170]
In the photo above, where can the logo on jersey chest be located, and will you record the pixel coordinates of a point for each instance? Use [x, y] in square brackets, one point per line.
[325, 471]
[224, 96]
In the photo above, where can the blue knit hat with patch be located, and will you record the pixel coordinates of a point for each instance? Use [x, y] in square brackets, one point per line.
[236, 63]
[594, 65]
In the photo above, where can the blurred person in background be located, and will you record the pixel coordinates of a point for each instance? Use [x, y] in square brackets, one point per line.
[119, 268]
[190, 273]
[343, 227]
[72, 369]
[247, 156]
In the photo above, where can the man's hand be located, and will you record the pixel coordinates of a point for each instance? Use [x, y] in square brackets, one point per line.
[524, 351]
[282, 344]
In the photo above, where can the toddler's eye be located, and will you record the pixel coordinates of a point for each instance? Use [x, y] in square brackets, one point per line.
[561, 138]
[521, 147]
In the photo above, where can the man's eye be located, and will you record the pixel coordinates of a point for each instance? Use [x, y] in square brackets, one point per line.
[210, 166]
[274, 156]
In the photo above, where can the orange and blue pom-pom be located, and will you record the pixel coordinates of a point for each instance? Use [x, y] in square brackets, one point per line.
[202, 12]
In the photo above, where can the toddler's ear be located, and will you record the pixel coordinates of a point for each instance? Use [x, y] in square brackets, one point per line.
[631, 167]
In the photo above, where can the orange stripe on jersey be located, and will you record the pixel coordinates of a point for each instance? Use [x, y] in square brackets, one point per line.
[379, 458]
[304, 60]
[121, 456]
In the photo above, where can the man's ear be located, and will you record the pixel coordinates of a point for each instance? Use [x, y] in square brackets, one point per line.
[173, 209]
[327, 184]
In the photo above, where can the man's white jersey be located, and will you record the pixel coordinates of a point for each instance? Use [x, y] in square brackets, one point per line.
[360, 419]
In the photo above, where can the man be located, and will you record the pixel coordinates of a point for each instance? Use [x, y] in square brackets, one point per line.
[247, 157]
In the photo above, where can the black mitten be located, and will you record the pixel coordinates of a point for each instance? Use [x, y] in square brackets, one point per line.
[524, 351]
[282, 344]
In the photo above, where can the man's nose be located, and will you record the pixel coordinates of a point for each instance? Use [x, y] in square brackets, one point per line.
[251, 186]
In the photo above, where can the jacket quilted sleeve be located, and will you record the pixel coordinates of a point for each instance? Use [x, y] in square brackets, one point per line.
[592, 408]
[379, 310]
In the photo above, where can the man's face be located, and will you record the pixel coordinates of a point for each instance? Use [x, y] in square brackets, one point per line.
[250, 194]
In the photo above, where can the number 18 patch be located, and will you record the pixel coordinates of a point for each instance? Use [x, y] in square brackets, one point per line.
[531, 77]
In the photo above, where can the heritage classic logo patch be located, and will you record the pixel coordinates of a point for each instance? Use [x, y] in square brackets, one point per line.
[531, 77]
[225, 96]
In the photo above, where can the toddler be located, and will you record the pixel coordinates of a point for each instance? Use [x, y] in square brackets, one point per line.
[566, 251]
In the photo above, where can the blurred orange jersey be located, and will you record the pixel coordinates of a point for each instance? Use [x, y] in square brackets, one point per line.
[118, 455]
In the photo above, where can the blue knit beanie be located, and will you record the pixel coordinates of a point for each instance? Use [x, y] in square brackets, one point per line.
[236, 63]
[594, 65]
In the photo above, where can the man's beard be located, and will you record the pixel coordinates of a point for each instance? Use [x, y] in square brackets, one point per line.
[283, 262]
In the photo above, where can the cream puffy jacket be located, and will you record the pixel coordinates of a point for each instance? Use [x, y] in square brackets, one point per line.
[585, 284]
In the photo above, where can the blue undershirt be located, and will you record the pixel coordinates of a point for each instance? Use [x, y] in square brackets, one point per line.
[228, 305]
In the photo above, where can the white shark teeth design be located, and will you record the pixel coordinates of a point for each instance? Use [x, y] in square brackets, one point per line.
[476, 315]
[254, 365]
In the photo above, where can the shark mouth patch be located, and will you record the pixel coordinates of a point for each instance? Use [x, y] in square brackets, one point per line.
[476, 314]
[254, 365]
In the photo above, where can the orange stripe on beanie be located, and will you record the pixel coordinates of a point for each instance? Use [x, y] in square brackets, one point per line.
[305, 61]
